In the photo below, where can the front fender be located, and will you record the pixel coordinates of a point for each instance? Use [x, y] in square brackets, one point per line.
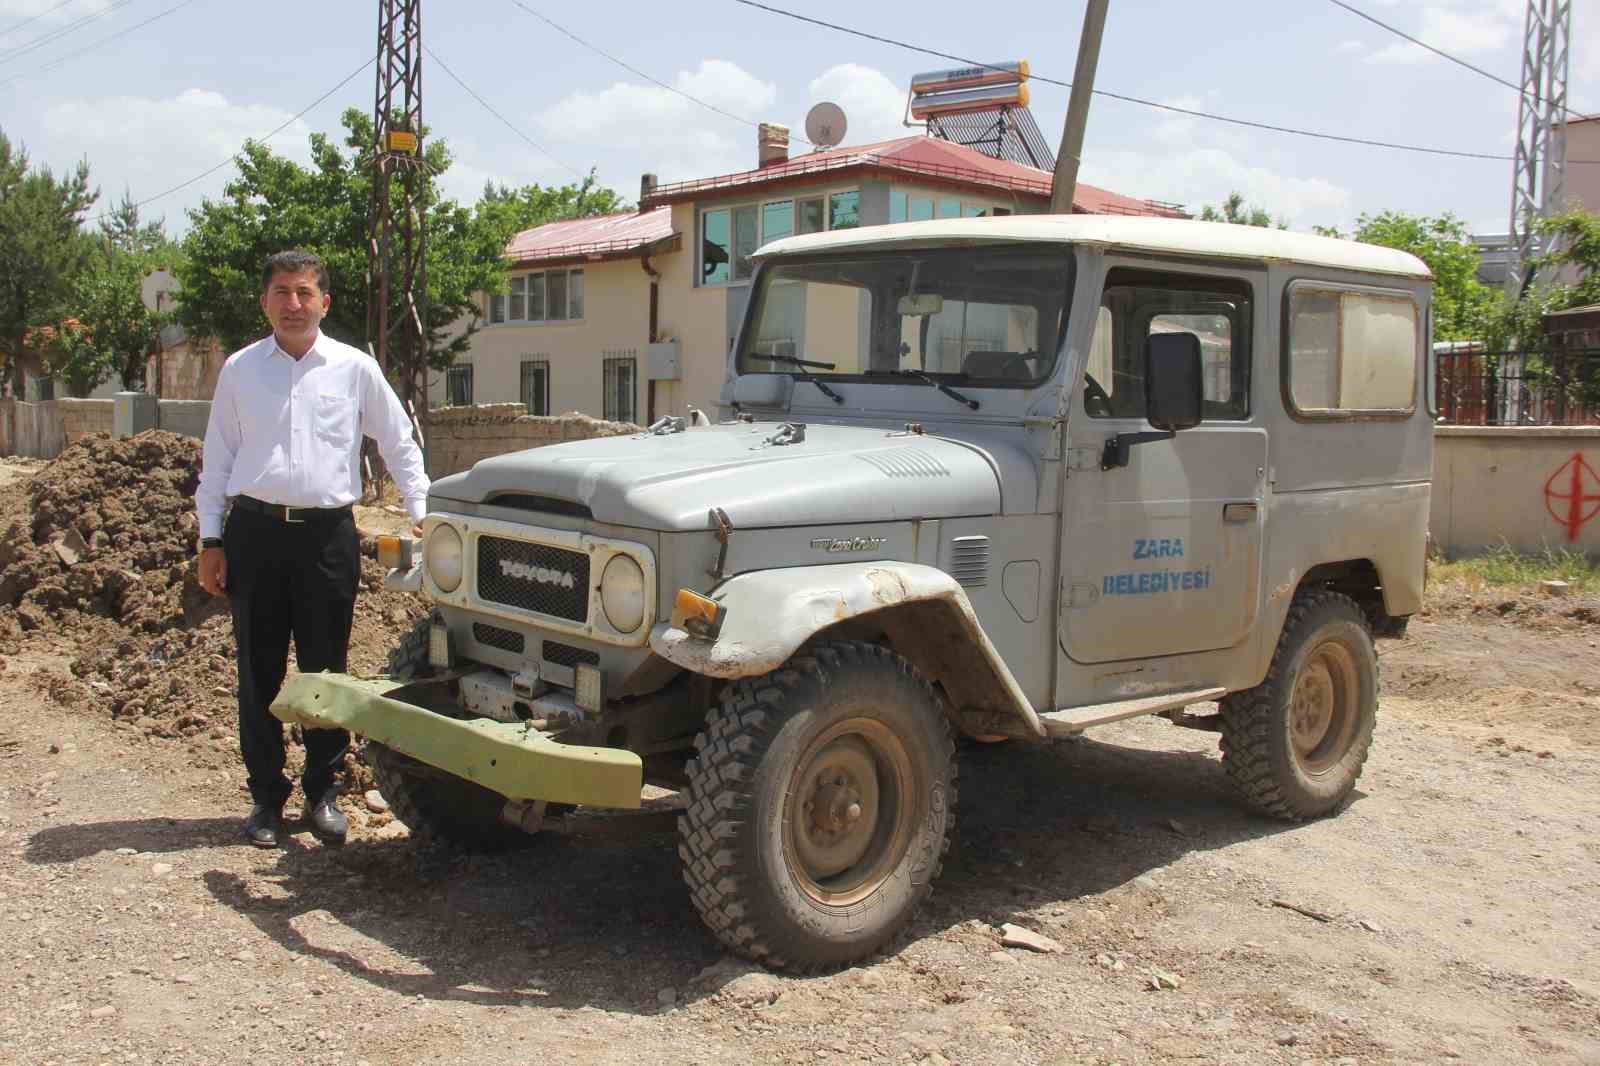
[769, 614]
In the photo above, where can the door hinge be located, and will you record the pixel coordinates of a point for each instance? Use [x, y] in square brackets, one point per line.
[1083, 459]
[1082, 594]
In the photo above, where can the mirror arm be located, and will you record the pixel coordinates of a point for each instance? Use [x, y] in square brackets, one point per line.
[1118, 446]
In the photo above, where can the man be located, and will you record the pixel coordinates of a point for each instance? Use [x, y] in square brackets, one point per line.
[284, 444]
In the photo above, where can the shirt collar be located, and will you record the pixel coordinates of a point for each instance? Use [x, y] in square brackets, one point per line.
[315, 349]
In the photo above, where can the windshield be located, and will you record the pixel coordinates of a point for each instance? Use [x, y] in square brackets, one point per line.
[987, 315]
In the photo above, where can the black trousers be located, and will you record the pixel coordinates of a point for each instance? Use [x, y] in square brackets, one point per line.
[289, 579]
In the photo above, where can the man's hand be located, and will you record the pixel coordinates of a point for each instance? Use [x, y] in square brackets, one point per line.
[214, 571]
[416, 530]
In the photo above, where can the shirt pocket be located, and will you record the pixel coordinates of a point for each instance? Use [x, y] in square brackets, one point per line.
[334, 419]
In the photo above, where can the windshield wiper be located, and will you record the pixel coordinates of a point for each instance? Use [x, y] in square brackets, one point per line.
[803, 376]
[923, 375]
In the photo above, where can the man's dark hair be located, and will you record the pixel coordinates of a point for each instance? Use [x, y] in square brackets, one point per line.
[293, 262]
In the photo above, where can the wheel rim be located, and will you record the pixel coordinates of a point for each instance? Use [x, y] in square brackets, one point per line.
[1323, 708]
[849, 812]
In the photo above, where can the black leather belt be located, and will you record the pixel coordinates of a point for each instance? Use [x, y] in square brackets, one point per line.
[285, 513]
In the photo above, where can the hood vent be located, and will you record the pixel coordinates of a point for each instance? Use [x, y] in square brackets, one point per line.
[905, 462]
[969, 561]
[524, 501]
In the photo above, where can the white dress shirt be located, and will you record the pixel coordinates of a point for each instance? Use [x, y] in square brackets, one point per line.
[288, 431]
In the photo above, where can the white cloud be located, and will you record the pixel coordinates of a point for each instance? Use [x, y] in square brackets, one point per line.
[661, 130]
[1349, 47]
[874, 106]
[1462, 29]
[148, 145]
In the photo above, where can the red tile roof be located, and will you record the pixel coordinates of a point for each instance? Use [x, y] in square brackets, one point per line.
[930, 159]
[600, 237]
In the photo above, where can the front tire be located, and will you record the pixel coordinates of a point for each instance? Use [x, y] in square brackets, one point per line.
[821, 802]
[1295, 744]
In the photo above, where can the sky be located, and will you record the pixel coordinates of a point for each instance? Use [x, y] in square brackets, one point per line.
[161, 103]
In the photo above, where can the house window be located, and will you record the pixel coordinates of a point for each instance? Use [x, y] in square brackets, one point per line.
[921, 208]
[546, 296]
[812, 218]
[949, 207]
[621, 372]
[536, 386]
[844, 210]
[729, 236]
[899, 205]
[458, 386]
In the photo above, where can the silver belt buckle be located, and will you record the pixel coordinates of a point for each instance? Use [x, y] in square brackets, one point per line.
[288, 515]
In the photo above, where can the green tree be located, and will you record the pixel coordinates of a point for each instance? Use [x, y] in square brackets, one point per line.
[109, 329]
[275, 203]
[1462, 305]
[42, 250]
[1235, 210]
[1518, 324]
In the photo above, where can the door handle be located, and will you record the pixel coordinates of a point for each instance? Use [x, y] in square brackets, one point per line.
[1239, 512]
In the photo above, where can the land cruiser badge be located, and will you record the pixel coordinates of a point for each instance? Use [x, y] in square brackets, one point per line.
[848, 544]
[542, 575]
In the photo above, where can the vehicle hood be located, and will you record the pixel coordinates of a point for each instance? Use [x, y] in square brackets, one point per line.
[671, 481]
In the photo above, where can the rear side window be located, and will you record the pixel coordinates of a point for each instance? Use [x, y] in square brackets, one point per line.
[1351, 351]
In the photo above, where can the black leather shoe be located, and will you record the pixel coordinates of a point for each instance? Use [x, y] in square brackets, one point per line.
[261, 828]
[328, 823]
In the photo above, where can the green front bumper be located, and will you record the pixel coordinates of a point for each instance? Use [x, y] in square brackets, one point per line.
[508, 758]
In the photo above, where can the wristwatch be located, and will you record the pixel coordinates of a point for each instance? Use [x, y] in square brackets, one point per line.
[210, 542]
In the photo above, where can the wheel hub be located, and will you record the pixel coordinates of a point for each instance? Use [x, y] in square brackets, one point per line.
[1323, 707]
[838, 815]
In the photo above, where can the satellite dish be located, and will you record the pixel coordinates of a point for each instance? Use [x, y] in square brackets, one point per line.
[825, 125]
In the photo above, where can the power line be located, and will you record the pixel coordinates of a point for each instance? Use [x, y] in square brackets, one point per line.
[470, 92]
[91, 47]
[1193, 113]
[15, 26]
[280, 128]
[1513, 86]
[635, 70]
[56, 34]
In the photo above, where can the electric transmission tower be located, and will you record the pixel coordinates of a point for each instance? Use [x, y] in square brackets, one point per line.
[397, 291]
[1539, 173]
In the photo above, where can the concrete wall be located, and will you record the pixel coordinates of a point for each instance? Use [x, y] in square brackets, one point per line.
[43, 430]
[457, 437]
[1514, 485]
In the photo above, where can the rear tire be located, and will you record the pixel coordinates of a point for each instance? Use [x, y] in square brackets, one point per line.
[430, 801]
[1295, 744]
[821, 802]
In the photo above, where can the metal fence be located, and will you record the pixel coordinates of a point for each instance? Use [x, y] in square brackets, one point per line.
[1562, 388]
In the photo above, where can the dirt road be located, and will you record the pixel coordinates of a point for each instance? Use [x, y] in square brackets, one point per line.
[1448, 914]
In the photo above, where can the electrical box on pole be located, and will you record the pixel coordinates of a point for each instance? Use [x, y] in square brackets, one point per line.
[397, 298]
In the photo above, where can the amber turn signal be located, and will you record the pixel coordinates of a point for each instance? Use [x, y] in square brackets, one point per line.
[396, 552]
[697, 615]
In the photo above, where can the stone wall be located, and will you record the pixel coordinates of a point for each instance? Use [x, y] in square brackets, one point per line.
[457, 437]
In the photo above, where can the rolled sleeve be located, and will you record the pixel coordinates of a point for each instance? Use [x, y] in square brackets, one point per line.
[386, 422]
[221, 449]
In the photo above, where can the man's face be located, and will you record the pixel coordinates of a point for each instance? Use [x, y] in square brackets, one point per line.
[294, 303]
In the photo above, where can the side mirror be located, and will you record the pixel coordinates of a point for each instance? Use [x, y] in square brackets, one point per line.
[1173, 386]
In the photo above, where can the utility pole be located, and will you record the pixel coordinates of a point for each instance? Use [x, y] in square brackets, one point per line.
[1066, 178]
[396, 274]
[1538, 175]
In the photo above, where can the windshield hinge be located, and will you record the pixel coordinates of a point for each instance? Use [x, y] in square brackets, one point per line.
[724, 527]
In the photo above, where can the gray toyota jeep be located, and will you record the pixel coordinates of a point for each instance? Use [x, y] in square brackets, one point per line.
[997, 478]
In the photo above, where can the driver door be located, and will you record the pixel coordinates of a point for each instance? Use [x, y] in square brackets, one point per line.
[1162, 556]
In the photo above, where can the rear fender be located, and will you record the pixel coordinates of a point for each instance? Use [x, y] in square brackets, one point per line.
[770, 614]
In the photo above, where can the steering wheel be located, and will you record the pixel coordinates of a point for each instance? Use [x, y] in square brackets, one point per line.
[1096, 401]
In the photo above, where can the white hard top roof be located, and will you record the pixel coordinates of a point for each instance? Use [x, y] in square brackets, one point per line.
[1176, 235]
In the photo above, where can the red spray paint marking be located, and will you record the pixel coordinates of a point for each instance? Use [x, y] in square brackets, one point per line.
[1581, 501]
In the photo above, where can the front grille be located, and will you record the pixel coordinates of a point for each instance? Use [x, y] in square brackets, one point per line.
[568, 656]
[534, 577]
[495, 637]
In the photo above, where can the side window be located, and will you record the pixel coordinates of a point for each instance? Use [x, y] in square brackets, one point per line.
[1137, 304]
[1351, 350]
[458, 386]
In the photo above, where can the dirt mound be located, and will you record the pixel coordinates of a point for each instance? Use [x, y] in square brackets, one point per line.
[98, 561]
[1527, 608]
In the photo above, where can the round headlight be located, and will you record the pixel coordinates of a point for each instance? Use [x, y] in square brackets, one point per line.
[442, 557]
[622, 594]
